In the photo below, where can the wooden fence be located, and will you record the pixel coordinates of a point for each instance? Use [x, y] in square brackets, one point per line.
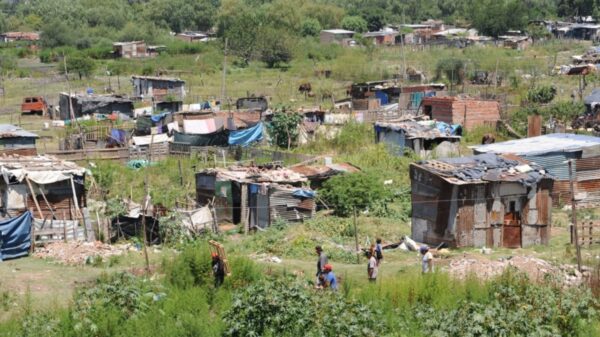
[116, 154]
[589, 232]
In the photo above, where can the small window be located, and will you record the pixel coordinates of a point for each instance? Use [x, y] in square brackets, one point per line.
[27, 100]
[34, 100]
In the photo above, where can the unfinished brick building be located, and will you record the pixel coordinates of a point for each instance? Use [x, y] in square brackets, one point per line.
[468, 112]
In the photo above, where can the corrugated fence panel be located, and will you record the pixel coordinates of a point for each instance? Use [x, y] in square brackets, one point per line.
[588, 164]
[284, 205]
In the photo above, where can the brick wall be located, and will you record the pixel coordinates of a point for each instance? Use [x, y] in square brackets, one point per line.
[467, 112]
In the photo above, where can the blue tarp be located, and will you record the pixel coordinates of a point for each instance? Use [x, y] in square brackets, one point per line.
[247, 136]
[383, 97]
[300, 193]
[118, 135]
[159, 117]
[15, 236]
[451, 129]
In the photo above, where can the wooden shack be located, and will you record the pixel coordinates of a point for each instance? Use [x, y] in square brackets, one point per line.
[485, 200]
[15, 140]
[158, 89]
[255, 196]
[46, 185]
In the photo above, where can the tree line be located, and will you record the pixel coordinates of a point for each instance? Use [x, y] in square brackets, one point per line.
[261, 29]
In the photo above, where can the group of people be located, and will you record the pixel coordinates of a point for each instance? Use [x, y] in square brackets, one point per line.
[327, 279]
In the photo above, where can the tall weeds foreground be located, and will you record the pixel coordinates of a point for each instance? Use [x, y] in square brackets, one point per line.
[185, 303]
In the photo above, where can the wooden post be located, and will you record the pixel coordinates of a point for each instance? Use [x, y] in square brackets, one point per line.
[47, 203]
[64, 232]
[87, 225]
[33, 196]
[356, 237]
[180, 172]
[145, 210]
[574, 215]
[75, 198]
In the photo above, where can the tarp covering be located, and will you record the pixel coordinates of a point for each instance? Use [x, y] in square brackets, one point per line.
[202, 126]
[154, 139]
[39, 169]
[247, 136]
[157, 118]
[219, 138]
[15, 236]
[302, 193]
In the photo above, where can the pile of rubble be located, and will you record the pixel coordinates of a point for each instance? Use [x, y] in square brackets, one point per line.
[78, 253]
[535, 268]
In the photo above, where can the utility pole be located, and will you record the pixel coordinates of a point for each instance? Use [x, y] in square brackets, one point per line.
[574, 215]
[224, 73]
[145, 210]
[404, 73]
[356, 236]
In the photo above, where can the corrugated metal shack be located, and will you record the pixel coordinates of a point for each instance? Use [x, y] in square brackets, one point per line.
[484, 200]
[130, 49]
[466, 111]
[255, 196]
[90, 104]
[421, 137]
[318, 174]
[56, 185]
[158, 89]
[552, 151]
[15, 140]
[371, 95]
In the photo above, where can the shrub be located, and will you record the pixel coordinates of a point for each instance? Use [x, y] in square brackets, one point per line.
[542, 94]
[191, 268]
[310, 27]
[283, 129]
[359, 191]
[355, 24]
[283, 307]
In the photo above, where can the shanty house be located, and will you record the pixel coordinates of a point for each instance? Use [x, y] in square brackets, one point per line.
[383, 37]
[191, 36]
[130, 49]
[339, 36]
[484, 200]
[15, 140]
[318, 174]
[552, 151]
[45, 185]
[372, 95]
[91, 104]
[584, 31]
[19, 36]
[255, 197]
[468, 112]
[421, 137]
[158, 89]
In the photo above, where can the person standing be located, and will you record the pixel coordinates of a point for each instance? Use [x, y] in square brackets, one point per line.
[321, 262]
[329, 279]
[378, 252]
[372, 268]
[426, 260]
[218, 269]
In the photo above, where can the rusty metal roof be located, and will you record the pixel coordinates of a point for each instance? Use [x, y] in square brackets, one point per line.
[256, 175]
[485, 168]
[316, 171]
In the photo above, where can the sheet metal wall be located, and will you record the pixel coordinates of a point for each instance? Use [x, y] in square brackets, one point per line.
[473, 214]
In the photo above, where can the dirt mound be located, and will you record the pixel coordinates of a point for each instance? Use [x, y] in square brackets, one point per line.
[76, 253]
[535, 268]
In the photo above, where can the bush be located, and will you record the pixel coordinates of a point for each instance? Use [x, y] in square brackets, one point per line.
[310, 27]
[359, 191]
[355, 24]
[542, 94]
[284, 307]
[191, 268]
[283, 129]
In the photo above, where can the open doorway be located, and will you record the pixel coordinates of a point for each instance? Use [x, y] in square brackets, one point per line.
[511, 231]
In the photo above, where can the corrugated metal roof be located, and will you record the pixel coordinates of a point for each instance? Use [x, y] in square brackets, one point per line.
[545, 144]
[554, 163]
[13, 131]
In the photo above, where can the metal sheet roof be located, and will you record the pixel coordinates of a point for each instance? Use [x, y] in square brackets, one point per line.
[555, 142]
[13, 131]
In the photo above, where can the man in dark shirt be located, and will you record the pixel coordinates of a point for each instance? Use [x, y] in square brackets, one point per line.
[218, 269]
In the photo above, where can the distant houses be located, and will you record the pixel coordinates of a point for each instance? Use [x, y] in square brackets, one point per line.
[135, 49]
[338, 36]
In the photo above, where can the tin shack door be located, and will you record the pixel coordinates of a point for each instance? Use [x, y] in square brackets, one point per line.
[511, 231]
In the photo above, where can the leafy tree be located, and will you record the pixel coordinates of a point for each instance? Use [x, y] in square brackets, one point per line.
[355, 23]
[274, 47]
[375, 18]
[358, 191]
[241, 30]
[179, 15]
[453, 69]
[537, 32]
[496, 17]
[283, 128]
[83, 66]
[310, 27]
[56, 33]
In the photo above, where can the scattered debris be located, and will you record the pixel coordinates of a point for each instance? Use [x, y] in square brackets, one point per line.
[78, 253]
[534, 267]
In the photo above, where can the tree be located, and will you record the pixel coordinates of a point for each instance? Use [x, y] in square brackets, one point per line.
[375, 18]
[274, 47]
[496, 17]
[283, 129]
[358, 191]
[453, 69]
[56, 33]
[310, 27]
[179, 15]
[83, 66]
[241, 29]
[537, 32]
[354, 23]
